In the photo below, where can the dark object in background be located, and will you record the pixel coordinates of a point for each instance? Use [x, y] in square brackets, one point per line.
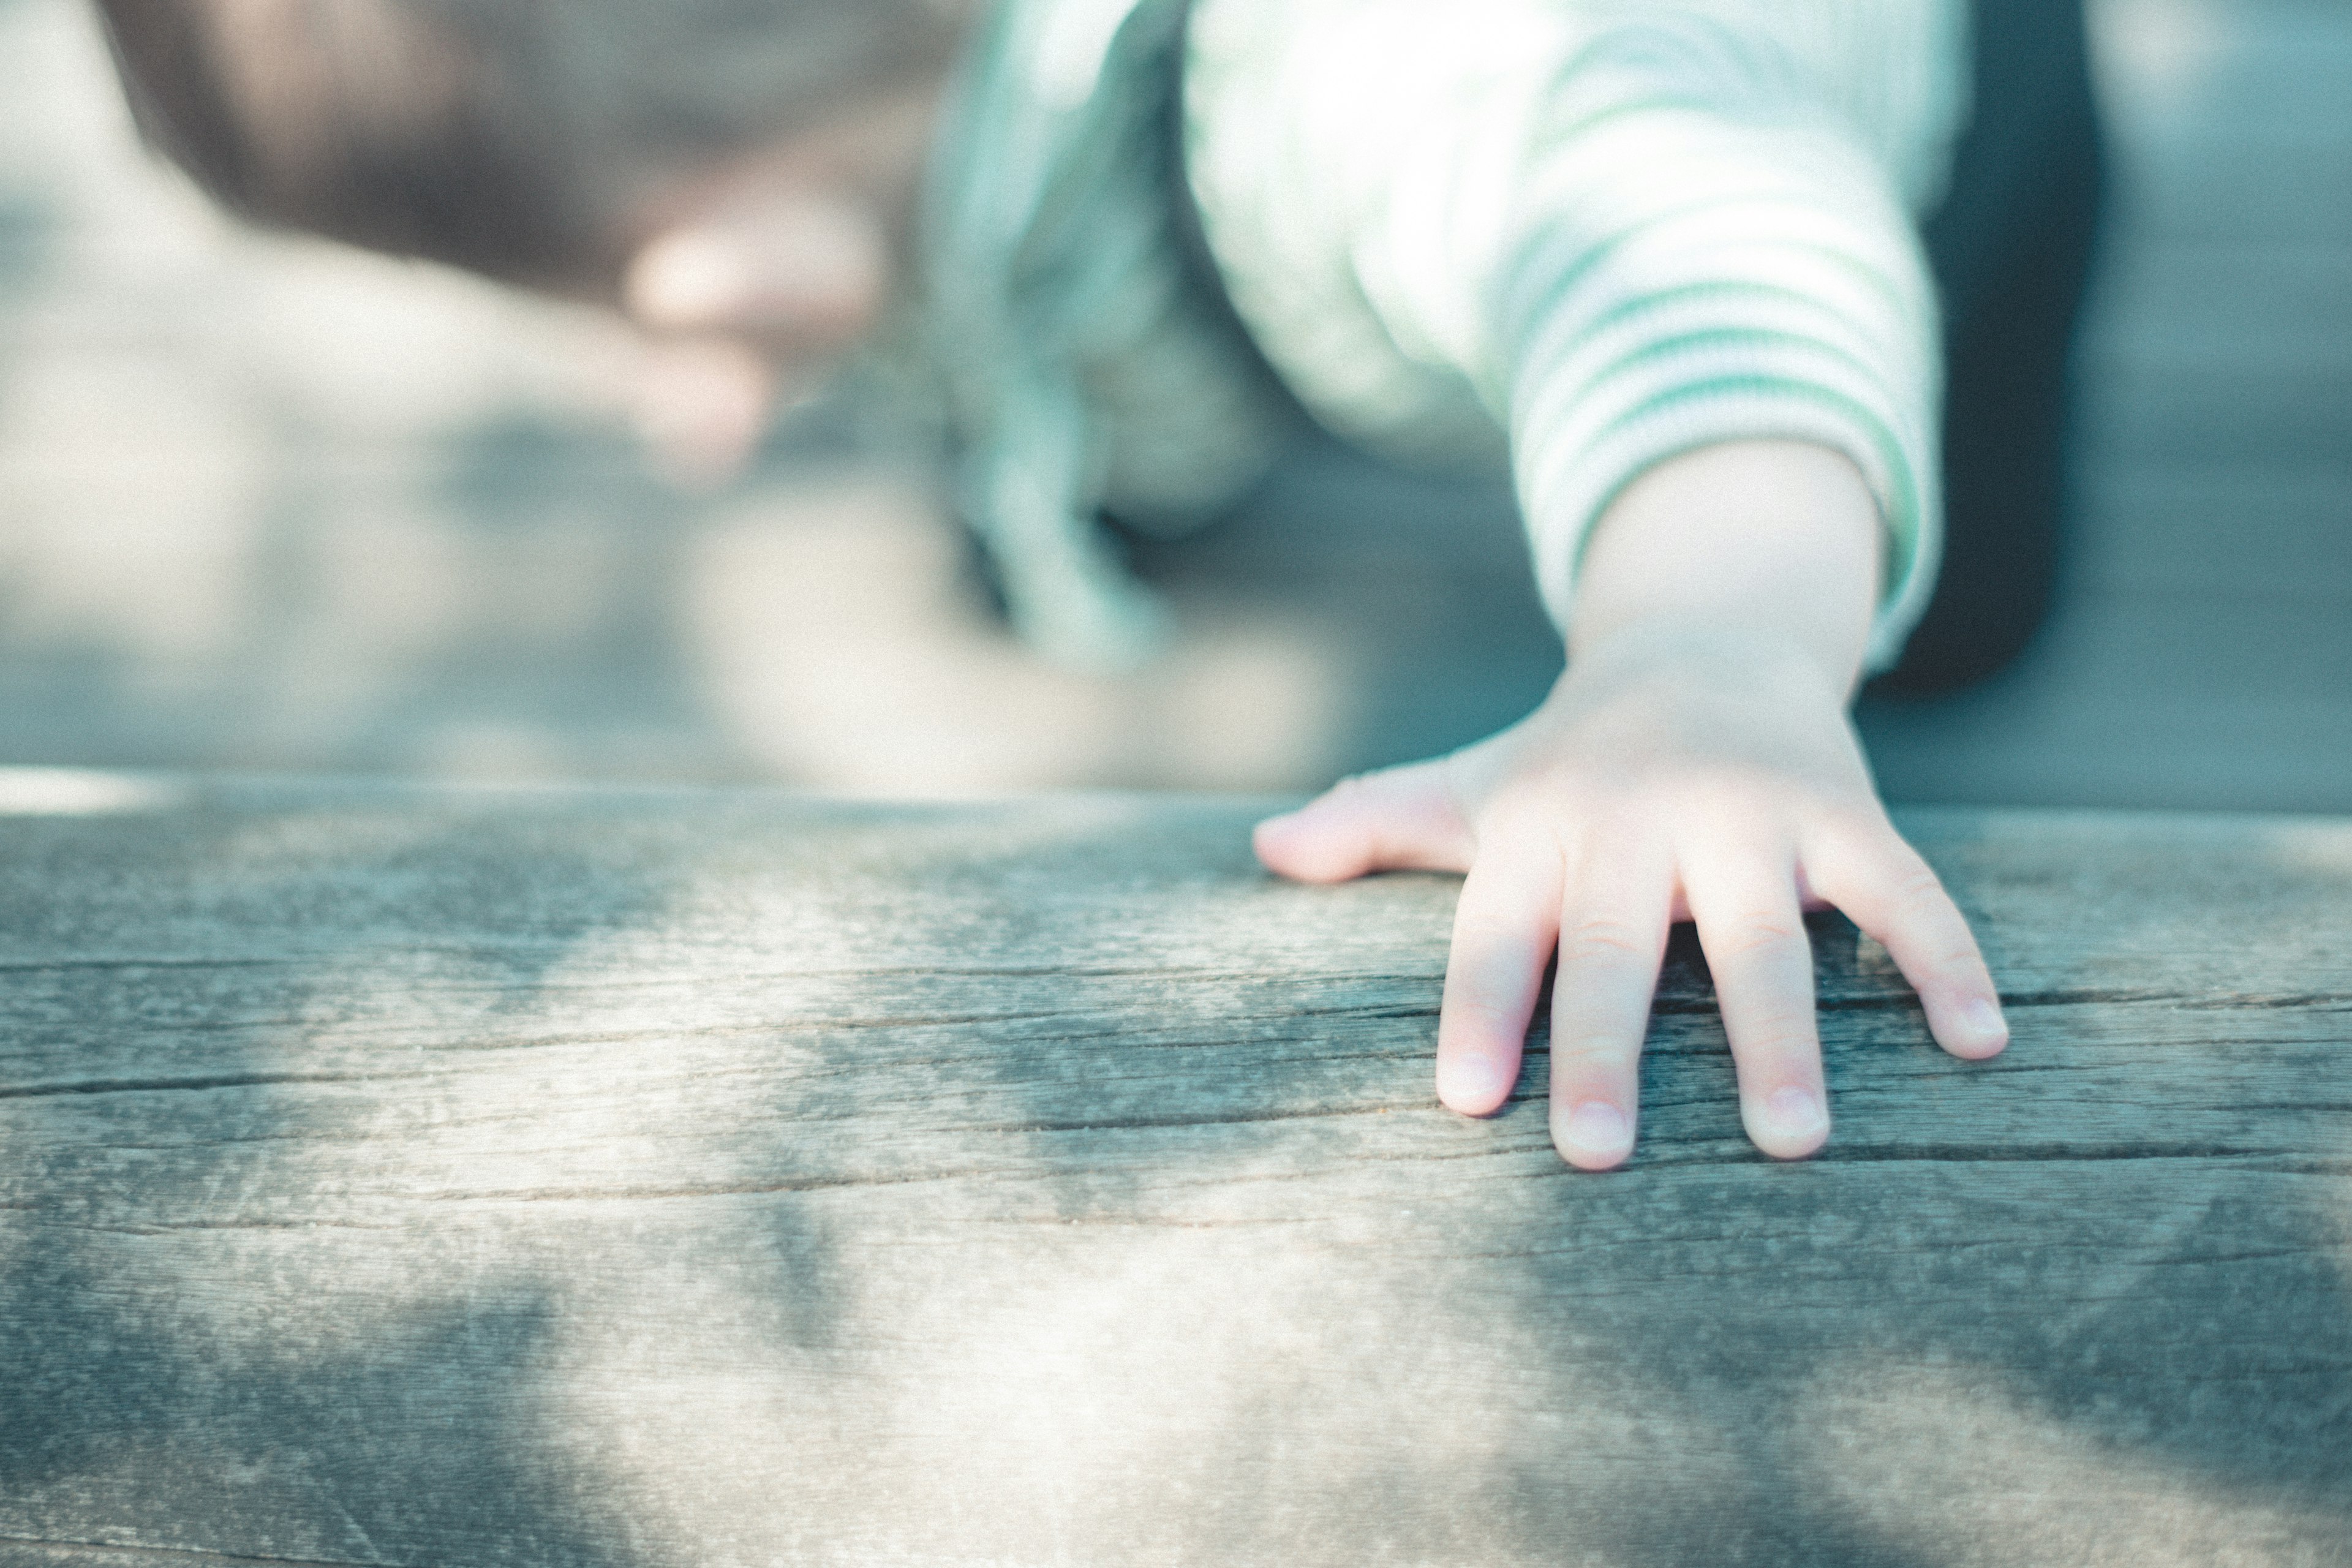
[2011, 248]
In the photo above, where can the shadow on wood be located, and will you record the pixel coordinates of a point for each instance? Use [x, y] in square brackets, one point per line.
[402, 1176]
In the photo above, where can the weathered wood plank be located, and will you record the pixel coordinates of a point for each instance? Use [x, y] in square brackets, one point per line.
[668, 1178]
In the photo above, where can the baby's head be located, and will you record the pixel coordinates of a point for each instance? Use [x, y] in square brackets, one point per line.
[736, 171]
[523, 139]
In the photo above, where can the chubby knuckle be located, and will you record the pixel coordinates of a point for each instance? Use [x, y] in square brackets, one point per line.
[1957, 956]
[1775, 1033]
[1483, 1014]
[1726, 792]
[1860, 821]
[1916, 885]
[1528, 817]
[1934, 926]
[1963, 963]
[1593, 1051]
[1752, 931]
[1605, 939]
[1488, 929]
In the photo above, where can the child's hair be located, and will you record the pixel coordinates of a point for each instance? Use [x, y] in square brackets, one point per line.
[496, 135]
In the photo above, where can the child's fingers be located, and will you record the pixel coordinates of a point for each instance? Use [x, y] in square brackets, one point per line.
[1754, 937]
[1504, 930]
[1398, 819]
[1613, 936]
[1885, 888]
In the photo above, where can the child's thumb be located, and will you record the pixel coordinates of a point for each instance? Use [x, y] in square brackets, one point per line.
[1395, 820]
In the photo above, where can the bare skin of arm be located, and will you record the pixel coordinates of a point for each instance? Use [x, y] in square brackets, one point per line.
[1695, 761]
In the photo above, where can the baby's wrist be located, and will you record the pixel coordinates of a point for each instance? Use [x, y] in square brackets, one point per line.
[1715, 652]
[1754, 549]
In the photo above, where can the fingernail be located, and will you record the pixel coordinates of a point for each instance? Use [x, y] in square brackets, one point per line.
[1477, 1079]
[1270, 838]
[1596, 1129]
[1984, 1020]
[1794, 1112]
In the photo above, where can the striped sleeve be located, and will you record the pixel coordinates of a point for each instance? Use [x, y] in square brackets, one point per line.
[1694, 256]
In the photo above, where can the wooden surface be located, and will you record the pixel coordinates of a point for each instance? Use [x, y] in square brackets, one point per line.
[674, 1178]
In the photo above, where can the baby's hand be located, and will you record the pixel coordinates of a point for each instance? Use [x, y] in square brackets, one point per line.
[1701, 782]
[1678, 770]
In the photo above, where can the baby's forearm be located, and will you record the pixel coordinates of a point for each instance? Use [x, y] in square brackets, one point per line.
[1756, 548]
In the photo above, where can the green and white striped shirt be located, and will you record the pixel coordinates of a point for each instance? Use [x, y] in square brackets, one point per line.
[1564, 238]
[1614, 230]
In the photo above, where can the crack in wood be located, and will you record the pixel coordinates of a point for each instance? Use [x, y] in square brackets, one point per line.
[174, 1227]
[2066, 1153]
[714, 1190]
[196, 1085]
[2318, 1001]
[106, 1549]
[1177, 1123]
[46, 965]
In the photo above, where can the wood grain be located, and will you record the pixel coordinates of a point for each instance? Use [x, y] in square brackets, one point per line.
[401, 1176]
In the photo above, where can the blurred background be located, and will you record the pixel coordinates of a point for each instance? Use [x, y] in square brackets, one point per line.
[270, 505]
